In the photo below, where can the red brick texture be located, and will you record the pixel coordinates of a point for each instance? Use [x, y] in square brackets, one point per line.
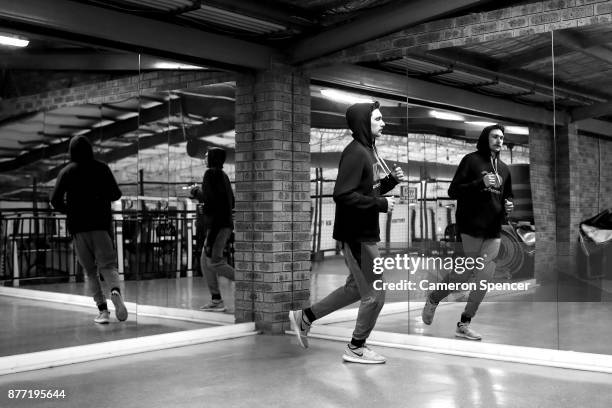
[272, 196]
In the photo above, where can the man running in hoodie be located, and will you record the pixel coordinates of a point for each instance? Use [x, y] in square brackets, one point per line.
[483, 189]
[218, 199]
[357, 194]
[84, 191]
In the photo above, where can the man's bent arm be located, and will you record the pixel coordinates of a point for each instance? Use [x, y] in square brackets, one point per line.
[349, 178]
[461, 183]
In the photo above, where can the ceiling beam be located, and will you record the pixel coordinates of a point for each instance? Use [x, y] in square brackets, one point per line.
[532, 56]
[480, 65]
[583, 45]
[593, 111]
[379, 22]
[90, 61]
[107, 132]
[544, 52]
[104, 27]
[280, 13]
[400, 85]
[169, 137]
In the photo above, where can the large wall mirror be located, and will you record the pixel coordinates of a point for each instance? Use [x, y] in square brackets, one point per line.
[584, 185]
[151, 122]
[453, 94]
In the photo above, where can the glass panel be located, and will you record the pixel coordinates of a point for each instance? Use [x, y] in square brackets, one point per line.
[44, 109]
[157, 232]
[329, 137]
[454, 94]
[184, 112]
[583, 186]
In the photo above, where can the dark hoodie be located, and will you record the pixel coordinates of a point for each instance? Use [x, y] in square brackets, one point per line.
[217, 193]
[358, 189]
[85, 189]
[480, 209]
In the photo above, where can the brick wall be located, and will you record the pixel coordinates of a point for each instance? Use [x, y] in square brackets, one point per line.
[542, 176]
[511, 22]
[568, 197]
[582, 166]
[272, 196]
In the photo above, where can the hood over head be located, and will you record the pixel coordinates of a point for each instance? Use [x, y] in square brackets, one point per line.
[483, 141]
[216, 157]
[358, 118]
[80, 149]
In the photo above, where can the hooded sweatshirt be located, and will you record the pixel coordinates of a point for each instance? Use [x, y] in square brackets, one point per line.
[358, 188]
[217, 193]
[480, 209]
[85, 189]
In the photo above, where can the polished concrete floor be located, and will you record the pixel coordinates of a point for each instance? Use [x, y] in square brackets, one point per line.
[271, 371]
[566, 326]
[184, 293]
[30, 325]
[534, 318]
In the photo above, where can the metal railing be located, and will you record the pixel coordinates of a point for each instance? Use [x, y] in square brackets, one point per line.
[37, 248]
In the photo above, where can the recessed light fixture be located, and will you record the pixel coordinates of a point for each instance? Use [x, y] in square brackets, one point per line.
[517, 130]
[345, 97]
[479, 123]
[175, 65]
[13, 40]
[446, 115]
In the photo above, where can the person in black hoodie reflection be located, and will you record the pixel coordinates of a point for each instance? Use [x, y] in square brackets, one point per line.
[482, 187]
[84, 191]
[357, 194]
[218, 199]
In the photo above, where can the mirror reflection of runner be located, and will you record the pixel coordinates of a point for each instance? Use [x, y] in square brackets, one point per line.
[483, 189]
[218, 199]
[357, 194]
[84, 191]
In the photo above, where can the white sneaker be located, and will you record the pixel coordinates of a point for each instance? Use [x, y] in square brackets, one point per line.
[103, 317]
[299, 327]
[214, 306]
[120, 310]
[464, 330]
[362, 355]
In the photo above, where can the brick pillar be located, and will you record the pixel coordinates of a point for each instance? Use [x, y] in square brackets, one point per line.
[542, 176]
[272, 196]
[568, 198]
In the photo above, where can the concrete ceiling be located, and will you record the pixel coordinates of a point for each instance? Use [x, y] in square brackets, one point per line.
[502, 79]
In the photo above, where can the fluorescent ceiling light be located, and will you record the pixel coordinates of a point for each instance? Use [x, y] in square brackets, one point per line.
[175, 65]
[480, 123]
[346, 97]
[13, 41]
[517, 130]
[446, 115]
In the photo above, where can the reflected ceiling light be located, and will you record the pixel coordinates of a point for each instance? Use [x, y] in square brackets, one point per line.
[175, 65]
[13, 41]
[517, 130]
[445, 115]
[345, 97]
[479, 123]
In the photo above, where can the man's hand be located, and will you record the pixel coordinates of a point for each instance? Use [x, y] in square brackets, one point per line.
[399, 175]
[508, 206]
[489, 179]
[390, 203]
